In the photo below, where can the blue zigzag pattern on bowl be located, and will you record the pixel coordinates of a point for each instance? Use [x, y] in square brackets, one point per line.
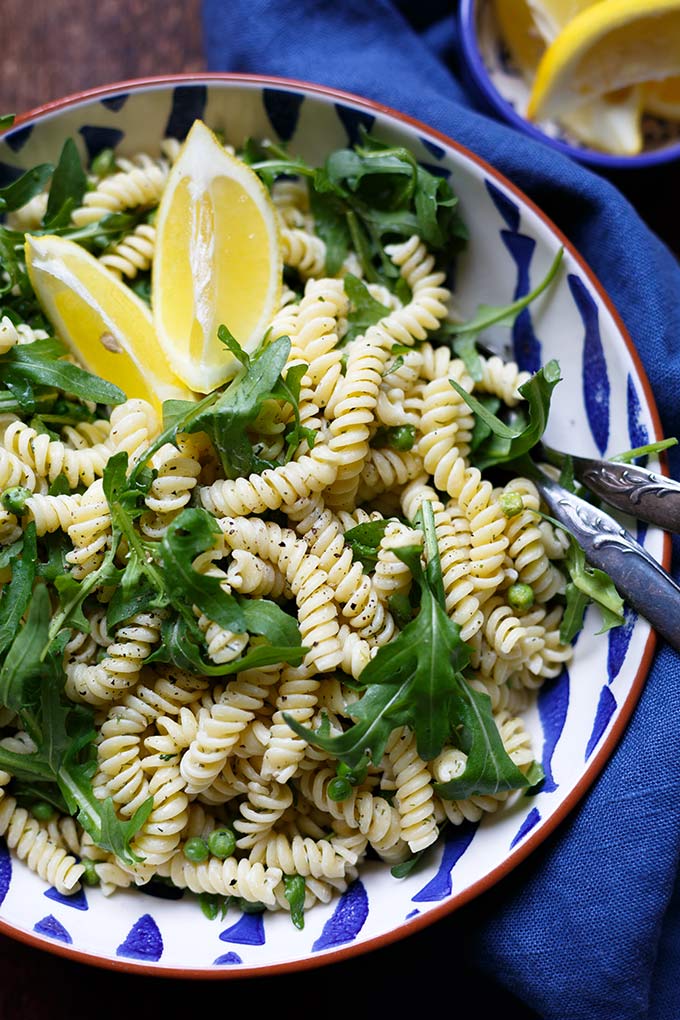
[77, 900]
[596, 388]
[53, 929]
[553, 705]
[248, 931]
[226, 959]
[605, 709]
[115, 103]
[439, 887]
[188, 105]
[352, 120]
[143, 941]
[17, 139]
[526, 346]
[529, 823]
[5, 870]
[8, 174]
[435, 150]
[97, 137]
[283, 110]
[619, 639]
[347, 920]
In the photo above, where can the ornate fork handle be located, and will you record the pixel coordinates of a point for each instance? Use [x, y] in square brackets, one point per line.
[638, 577]
[634, 490]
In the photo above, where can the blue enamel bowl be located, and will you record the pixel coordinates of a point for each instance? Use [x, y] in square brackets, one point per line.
[504, 93]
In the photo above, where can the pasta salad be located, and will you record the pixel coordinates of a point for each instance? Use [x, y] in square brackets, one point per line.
[256, 639]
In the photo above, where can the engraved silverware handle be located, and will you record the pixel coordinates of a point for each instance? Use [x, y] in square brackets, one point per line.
[639, 579]
[634, 490]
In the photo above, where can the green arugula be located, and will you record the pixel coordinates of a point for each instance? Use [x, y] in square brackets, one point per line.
[462, 336]
[33, 370]
[368, 196]
[364, 541]
[417, 680]
[31, 684]
[364, 310]
[504, 443]
[24, 188]
[225, 415]
[588, 584]
[69, 182]
[294, 889]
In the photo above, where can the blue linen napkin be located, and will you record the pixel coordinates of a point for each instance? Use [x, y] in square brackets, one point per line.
[588, 926]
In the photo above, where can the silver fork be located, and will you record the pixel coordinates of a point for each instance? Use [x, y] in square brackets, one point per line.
[640, 580]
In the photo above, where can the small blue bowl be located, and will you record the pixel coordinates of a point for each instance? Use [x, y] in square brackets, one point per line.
[504, 92]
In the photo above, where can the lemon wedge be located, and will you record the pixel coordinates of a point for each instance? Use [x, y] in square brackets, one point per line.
[108, 328]
[218, 260]
[611, 123]
[662, 98]
[608, 46]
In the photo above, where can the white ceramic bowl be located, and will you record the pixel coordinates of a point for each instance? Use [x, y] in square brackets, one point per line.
[603, 405]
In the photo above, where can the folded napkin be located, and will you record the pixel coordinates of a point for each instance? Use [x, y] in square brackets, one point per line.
[588, 926]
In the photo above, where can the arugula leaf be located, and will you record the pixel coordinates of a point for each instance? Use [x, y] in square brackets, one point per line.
[22, 667]
[364, 541]
[6, 120]
[294, 889]
[24, 188]
[69, 182]
[225, 416]
[31, 683]
[462, 335]
[488, 770]
[588, 584]
[192, 532]
[364, 310]
[368, 196]
[15, 597]
[179, 646]
[288, 390]
[40, 363]
[508, 442]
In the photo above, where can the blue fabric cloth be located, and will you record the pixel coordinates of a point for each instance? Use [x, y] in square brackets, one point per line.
[588, 926]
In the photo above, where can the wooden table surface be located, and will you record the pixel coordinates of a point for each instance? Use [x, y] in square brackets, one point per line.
[49, 50]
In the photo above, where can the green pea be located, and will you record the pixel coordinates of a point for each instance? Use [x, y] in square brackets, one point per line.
[222, 843]
[402, 437]
[42, 811]
[339, 788]
[196, 850]
[521, 596]
[511, 503]
[14, 499]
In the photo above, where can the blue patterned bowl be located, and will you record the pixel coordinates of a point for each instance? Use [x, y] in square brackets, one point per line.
[504, 91]
[603, 405]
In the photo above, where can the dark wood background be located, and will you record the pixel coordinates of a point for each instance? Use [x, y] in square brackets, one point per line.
[50, 49]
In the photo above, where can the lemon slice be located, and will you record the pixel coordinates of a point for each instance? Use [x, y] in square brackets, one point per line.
[550, 16]
[108, 328]
[662, 98]
[606, 47]
[610, 123]
[217, 261]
